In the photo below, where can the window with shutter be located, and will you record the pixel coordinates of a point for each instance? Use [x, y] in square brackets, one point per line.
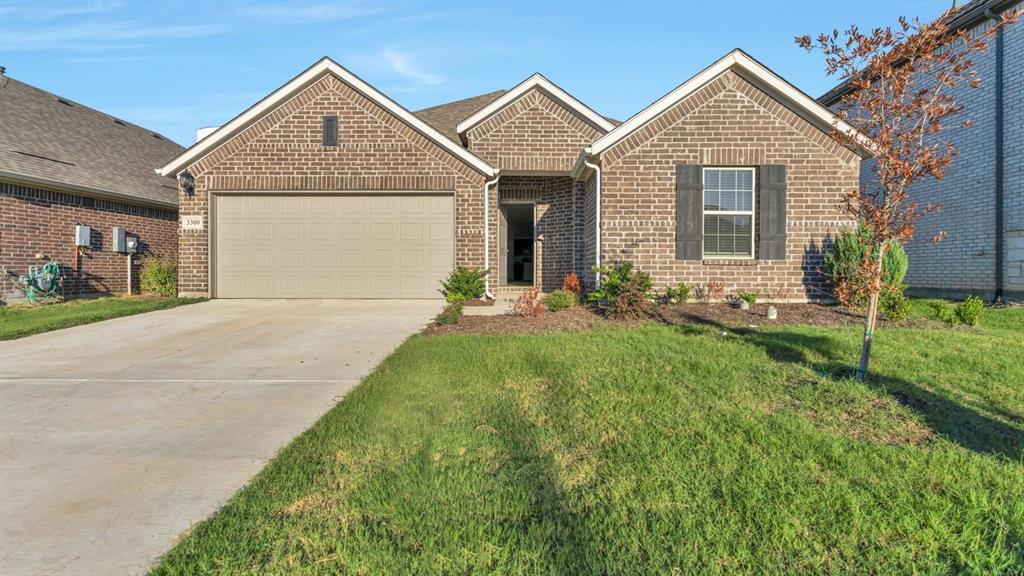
[728, 213]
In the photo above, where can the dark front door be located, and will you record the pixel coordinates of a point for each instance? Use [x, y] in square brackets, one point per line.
[517, 244]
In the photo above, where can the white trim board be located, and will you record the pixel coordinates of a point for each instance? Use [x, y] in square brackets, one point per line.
[535, 81]
[765, 79]
[294, 86]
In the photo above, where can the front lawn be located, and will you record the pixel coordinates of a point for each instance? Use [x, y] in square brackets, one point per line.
[651, 449]
[23, 320]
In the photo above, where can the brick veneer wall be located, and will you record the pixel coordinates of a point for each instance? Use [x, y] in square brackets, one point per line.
[729, 122]
[534, 133]
[555, 224]
[376, 152]
[39, 221]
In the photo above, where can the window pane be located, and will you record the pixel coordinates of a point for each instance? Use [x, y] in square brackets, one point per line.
[727, 235]
[711, 200]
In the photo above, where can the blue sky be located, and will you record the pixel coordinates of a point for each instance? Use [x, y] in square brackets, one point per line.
[173, 66]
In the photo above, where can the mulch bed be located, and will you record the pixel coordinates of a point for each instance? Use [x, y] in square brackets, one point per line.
[474, 302]
[585, 317]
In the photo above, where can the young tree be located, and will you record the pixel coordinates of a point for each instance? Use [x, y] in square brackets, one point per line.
[902, 84]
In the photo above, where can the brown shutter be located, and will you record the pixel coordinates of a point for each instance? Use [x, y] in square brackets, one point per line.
[771, 212]
[689, 211]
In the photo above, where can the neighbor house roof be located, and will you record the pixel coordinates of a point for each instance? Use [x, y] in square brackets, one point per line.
[754, 72]
[445, 117]
[294, 86]
[53, 142]
[967, 16]
[536, 81]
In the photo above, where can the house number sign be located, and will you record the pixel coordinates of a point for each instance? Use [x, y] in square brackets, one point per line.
[191, 222]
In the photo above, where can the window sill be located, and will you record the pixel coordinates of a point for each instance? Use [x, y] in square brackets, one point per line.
[729, 262]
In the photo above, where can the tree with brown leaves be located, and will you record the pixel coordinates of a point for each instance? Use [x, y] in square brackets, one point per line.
[902, 83]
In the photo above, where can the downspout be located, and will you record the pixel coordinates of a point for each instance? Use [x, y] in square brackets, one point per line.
[1000, 159]
[597, 219]
[487, 235]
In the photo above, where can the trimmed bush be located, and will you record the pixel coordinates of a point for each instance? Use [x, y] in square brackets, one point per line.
[894, 305]
[843, 266]
[969, 311]
[467, 282]
[160, 277]
[451, 314]
[560, 300]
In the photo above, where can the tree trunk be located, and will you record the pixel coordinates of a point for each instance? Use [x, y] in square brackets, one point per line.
[871, 319]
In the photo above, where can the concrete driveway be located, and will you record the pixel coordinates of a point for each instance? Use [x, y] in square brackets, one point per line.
[118, 436]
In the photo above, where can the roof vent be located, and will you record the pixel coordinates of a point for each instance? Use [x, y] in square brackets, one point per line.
[64, 102]
[3, 70]
[157, 136]
[119, 122]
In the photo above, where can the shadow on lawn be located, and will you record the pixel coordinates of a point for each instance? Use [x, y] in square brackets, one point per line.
[961, 424]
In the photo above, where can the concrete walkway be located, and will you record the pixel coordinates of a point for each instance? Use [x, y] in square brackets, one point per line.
[118, 436]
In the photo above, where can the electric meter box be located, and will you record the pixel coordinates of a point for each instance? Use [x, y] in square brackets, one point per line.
[117, 240]
[83, 236]
[131, 244]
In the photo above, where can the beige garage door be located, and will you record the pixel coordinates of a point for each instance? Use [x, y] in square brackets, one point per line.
[331, 246]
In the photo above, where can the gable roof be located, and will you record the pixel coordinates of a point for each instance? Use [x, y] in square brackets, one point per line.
[445, 117]
[50, 141]
[312, 74]
[754, 72]
[540, 82]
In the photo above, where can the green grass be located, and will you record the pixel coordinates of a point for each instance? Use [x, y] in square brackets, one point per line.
[24, 320]
[651, 450]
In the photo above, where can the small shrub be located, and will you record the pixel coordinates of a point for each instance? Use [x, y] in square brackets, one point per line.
[529, 304]
[572, 284]
[895, 306]
[451, 314]
[464, 281]
[844, 266]
[560, 300]
[678, 294]
[614, 277]
[748, 297]
[701, 290]
[943, 312]
[633, 298]
[160, 277]
[969, 311]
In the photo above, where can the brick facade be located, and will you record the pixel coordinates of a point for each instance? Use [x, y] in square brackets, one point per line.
[532, 134]
[283, 152]
[728, 122]
[39, 221]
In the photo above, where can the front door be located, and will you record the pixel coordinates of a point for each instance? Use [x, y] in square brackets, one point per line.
[516, 244]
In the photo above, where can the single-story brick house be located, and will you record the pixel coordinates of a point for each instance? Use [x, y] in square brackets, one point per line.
[328, 188]
[64, 165]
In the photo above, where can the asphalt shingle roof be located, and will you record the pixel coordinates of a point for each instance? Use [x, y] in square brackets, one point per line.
[46, 137]
[445, 117]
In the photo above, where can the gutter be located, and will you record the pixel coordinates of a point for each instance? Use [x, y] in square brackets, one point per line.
[31, 181]
[597, 215]
[487, 235]
[1000, 160]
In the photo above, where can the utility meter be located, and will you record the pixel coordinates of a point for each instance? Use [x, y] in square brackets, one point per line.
[131, 244]
[83, 236]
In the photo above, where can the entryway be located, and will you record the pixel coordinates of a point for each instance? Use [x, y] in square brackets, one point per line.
[517, 243]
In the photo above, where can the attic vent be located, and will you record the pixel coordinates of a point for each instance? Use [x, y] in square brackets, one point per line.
[119, 122]
[64, 102]
[157, 136]
[330, 130]
[31, 155]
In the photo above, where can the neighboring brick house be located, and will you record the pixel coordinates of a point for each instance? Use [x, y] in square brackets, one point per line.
[327, 188]
[982, 192]
[63, 165]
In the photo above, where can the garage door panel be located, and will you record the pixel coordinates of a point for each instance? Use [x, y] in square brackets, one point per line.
[340, 246]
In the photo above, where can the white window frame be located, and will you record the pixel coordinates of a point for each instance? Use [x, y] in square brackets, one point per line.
[752, 212]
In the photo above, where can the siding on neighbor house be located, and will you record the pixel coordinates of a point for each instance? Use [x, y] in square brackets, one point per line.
[964, 262]
[729, 122]
[284, 152]
[41, 221]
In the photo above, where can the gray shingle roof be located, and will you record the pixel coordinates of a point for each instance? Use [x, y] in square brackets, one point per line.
[445, 117]
[52, 139]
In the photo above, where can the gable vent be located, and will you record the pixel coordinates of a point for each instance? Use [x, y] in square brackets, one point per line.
[330, 131]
